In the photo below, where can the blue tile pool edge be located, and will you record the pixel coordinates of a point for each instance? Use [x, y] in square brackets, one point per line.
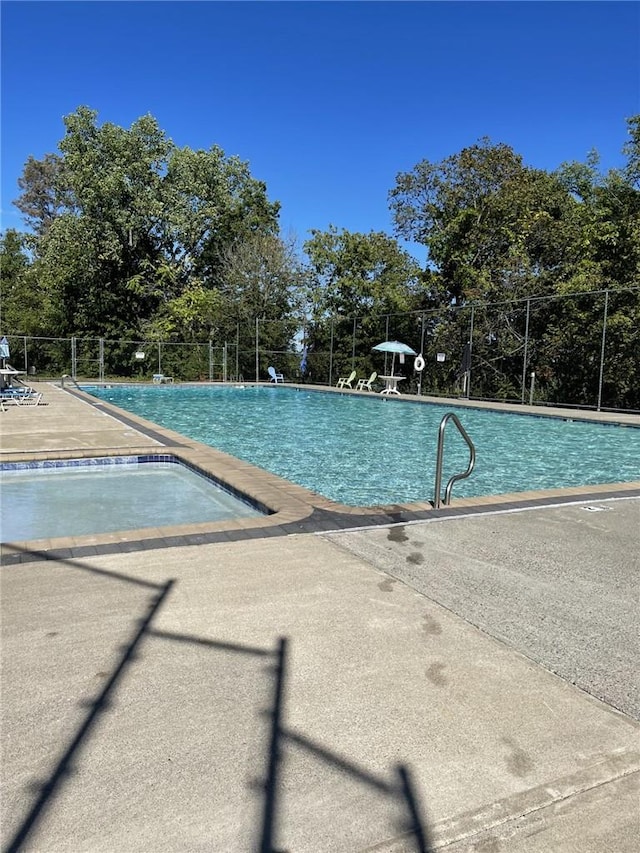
[320, 521]
[132, 461]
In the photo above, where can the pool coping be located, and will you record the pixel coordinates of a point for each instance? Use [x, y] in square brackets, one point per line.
[293, 508]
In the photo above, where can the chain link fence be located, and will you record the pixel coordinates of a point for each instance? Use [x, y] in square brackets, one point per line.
[580, 349]
[101, 359]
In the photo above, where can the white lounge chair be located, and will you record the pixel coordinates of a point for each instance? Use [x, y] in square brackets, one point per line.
[33, 399]
[366, 384]
[275, 377]
[345, 381]
[20, 396]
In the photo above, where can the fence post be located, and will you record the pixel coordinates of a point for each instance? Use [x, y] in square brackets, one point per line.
[257, 355]
[353, 344]
[101, 358]
[210, 360]
[470, 351]
[159, 357]
[26, 363]
[237, 352]
[604, 340]
[526, 351]
[331, 354]
[73, 359]
[224, 362]
[386, 337]
[421, 352]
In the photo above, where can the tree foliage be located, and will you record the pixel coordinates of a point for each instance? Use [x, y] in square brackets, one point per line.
[500, 232]
[355, 275]
[494, 228]
[130, 229]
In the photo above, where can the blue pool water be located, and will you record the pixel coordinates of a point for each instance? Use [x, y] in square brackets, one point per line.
[364, 451]
[77, 497]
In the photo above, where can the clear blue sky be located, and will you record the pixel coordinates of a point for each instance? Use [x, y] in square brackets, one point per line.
[327, 101]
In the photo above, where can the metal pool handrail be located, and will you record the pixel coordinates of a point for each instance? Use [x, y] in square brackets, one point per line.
[437, 502]
[70, 378]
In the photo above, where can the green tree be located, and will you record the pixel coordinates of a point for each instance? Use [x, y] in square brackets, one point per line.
[499, 232]
[263, 279]
[211, 202]
[41, 200]
[610, 259]
[494, 228]
[364, 276]
[17, 297]
[126, 224]
[632, 152]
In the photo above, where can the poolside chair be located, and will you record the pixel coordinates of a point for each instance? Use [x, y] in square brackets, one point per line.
[365, 384]
[275, 377]
[23, 396]
[14, 393]
[345, 381]
[33, 399]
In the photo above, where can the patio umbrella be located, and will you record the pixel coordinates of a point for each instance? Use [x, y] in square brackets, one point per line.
[394, 347]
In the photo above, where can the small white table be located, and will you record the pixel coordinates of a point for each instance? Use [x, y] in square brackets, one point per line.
[391, 384]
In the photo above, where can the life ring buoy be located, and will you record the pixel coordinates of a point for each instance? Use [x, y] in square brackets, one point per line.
[418, 363]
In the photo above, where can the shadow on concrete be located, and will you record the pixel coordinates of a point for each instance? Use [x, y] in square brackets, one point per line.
[64, 766]
[400, 789]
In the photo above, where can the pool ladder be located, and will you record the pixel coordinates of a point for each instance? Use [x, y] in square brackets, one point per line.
[66, 377]
[438, 502]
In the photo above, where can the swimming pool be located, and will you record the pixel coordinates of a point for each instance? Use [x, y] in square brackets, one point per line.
[44, 500]
[365, 451]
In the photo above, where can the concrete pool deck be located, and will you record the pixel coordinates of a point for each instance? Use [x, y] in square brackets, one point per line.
[408, 687]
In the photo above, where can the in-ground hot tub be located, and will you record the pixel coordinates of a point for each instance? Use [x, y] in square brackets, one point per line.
[76, 497]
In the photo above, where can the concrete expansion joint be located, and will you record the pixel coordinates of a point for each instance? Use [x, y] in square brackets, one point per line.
[536, 800]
